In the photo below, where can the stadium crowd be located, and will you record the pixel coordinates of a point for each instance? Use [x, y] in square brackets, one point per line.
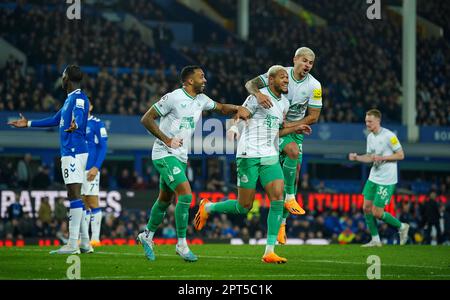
[358, 62]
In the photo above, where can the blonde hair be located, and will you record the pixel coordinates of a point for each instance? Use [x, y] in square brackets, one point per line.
[374, 112]
[273, 70]
[305, 51]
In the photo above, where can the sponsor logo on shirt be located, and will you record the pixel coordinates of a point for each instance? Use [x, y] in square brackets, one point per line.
[187, 122]
[271, 121]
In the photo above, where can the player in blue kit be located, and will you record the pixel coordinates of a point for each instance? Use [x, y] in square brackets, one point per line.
[72, 120]
[97, 140]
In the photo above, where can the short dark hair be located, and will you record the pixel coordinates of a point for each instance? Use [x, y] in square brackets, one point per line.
[188, 71]
[74, 73]
[374, 112]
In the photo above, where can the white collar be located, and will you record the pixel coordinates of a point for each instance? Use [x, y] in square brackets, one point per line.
[77, 90]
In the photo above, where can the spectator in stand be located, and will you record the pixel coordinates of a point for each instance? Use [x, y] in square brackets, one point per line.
[24, 173]
[431, 217]
[15, 210]
[45, 216]
[60, 210]
[125, 180]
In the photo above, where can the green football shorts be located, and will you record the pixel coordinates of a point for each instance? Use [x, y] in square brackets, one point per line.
[172, 172]
[379, 194]
[267, 169]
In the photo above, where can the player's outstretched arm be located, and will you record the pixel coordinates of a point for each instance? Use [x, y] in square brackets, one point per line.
[231, 109]
[47, 122]
[253, 87]
[148, 121]
[226, 109]
[20, 123]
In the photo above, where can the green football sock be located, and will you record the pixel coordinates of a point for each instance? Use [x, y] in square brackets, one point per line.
[228, 207]
[157, 215]
[182, 214]
[289, 172]
[371, 224]
[274, 221]
[391, 220]
[285, 212]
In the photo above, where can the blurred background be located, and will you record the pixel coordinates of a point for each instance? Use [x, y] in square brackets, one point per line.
[132, 52]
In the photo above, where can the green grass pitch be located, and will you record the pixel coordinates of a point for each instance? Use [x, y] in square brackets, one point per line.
[228, 262]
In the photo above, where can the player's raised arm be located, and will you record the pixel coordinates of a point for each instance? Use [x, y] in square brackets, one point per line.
[253, 87]
[148, 121]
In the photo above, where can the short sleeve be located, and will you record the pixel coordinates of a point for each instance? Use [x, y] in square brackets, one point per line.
[164, 105]
[369, 149]
[393, 142]
[315, 98]
[264, 78]
[208, 103]
[251, 104]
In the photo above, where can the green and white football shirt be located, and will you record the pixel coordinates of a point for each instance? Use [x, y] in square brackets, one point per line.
[179, 113]
[384, 143]
[260, 135]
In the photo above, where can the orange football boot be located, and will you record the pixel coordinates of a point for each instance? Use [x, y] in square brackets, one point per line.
[281, 238]
[292, 206]
[272, 258]
[201, 216]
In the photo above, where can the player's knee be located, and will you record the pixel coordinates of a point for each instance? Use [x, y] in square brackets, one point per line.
[277, 193]
[376, 213]
[292, 150]
[165, 197]
[183, 189]
[244, 208]
[74, 191]
[367, 209]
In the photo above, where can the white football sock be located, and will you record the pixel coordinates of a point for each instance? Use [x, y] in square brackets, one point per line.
[75, 216]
